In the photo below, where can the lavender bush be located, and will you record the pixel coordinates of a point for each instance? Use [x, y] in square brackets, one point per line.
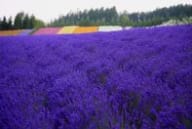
[135, 79]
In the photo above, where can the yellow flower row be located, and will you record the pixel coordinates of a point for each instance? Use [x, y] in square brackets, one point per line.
[10, 32]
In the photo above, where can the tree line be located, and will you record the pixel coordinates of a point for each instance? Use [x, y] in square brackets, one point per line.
[21, 21]
[110, 16]
[102, 16]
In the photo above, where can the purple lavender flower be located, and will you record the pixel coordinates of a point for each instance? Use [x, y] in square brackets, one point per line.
[131, 79]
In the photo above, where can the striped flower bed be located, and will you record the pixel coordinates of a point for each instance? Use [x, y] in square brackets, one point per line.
[109, 28]
[47, 31]
[67, 30]
[63, 30]
[26, 32]
[91, 29]
[10, 32]
[127, 27]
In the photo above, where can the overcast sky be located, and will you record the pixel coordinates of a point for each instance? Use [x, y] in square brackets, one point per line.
[50, 9]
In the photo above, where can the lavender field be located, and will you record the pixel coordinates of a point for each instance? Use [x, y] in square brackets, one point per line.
[135, 79]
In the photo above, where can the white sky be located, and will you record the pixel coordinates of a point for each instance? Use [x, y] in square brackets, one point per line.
[49, 9]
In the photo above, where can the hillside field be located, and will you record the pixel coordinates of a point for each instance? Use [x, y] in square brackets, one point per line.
[132, 79]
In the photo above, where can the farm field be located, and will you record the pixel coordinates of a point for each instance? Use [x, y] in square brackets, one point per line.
[62, 30]
[132, 79]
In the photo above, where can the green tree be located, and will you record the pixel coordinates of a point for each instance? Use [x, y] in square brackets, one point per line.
[26, 22]
[124, 19]
[4, 24]
[38, 23]
[9, 24]
[0, 24]
[18, 22]
[32, 21]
